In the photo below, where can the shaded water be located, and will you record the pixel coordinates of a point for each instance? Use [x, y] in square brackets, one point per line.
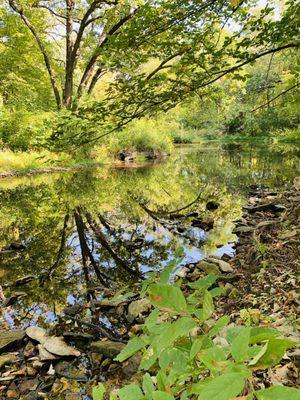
[65, 237]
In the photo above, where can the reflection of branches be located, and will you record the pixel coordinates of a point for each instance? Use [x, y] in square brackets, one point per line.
[105, 244]
[61, 248]
[83, 247]
[154, 214]
[85, 250]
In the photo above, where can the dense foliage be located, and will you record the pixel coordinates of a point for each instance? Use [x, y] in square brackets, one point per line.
[106, 63]
[188, 354]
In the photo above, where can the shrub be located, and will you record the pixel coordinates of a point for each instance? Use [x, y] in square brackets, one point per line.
[188, 354]
[23, 130]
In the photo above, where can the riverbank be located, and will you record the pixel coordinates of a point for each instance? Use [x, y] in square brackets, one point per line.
[29, 164]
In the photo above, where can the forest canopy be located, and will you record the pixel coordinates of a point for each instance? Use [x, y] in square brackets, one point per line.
[102, 64]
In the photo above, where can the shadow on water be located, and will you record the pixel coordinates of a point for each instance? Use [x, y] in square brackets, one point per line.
[67, 239]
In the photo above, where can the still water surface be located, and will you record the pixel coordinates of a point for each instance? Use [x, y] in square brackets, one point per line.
[64, 237]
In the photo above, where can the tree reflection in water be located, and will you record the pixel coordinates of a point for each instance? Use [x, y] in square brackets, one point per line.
[67, 239]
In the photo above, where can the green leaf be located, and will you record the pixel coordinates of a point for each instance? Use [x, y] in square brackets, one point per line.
[278, 393]
[184, 396]
[219, 325]
[224, 387]
[132, 347]
[208, 306]
[215, 292]
[213, 358]
[98, 392]
[164, 277]
[148, 386]
[131, 392]
[259, 334]
[148, 360]
[162, 396]
[170, 332]
[167, 297]
[196, 347]
[274, 352]
[239, 346]
[258, 355]
[204, 283]
[161, 378]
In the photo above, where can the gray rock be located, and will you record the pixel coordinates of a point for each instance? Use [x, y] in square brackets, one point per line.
[7, 359]
[223, 265]
[44, 354]
[57, 346]
[10, 339]
[138, 307]
[36, 333]
[65, 369]
[209, 268]
[132, 365]
[108, 348]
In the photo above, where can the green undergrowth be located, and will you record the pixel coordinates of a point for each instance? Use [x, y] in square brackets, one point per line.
[22, 162]
[189, 353]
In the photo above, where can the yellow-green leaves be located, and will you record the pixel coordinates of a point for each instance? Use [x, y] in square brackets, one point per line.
[278, 393]
[132, 347]
[131, 392]
[162, 396]
[148, 386]
[208, 306]
[98, 392]
[166, 297]
[239, 346]
[223, 387]
[274, 352]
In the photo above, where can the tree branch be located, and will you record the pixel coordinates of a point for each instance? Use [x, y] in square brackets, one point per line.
[19, 10]
[92, 62]
[276, 97]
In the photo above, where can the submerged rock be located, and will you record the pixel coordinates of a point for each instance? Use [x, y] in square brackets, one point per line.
[108, 348]
[57, 346]
[44, 354]
[81, 337]
[272, 207]
[10, 338]
[223, 265]
[138, 307]
[7, 359]
[65, 369]
[126, 155]
[37, 333]
[13, 299]
[209, 268]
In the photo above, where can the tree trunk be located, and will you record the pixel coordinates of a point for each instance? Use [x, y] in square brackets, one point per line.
[69, 74]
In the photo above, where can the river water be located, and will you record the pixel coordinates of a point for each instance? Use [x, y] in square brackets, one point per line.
[67, 238]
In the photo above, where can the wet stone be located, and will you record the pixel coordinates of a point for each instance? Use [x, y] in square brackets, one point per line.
[36, 333]
[65, 369]
[7, 359]
[108, 348]
[10, 339]
[138, 307]
[209, 268]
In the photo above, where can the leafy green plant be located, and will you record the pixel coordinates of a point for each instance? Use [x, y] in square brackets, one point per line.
[188, 355]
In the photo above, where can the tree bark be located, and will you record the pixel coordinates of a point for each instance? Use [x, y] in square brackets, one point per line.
[69, 73]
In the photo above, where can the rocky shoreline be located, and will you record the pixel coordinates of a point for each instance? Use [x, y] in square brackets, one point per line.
[258, 287]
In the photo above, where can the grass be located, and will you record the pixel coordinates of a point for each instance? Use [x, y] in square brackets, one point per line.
[26, 161]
